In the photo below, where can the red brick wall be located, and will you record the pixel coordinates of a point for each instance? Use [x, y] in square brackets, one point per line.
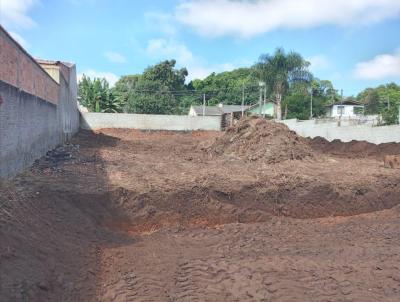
[21, 70]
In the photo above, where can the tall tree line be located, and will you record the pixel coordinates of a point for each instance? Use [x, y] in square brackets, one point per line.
[383, 100]
[163, 89]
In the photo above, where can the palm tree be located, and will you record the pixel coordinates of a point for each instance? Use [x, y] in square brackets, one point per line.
[279, 70]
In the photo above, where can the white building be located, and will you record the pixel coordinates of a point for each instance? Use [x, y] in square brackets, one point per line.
[345, 109]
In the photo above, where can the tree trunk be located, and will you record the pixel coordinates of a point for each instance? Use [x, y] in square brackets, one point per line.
[278, 98]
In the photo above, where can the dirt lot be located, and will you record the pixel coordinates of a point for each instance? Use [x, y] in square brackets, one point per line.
[124, 215]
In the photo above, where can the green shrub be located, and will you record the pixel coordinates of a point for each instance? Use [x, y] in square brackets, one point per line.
[390, 115]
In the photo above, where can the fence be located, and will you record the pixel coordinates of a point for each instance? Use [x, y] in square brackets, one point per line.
[346, 132]
[92, 121]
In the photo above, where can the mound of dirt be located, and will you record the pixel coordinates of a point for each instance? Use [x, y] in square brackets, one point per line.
[354, 149]
[258, 139]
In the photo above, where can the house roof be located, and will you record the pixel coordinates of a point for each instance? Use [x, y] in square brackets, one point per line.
[347, 102]
[233, 108]
[218, 110]
[258, 104]
[52, 62]
[208, 110]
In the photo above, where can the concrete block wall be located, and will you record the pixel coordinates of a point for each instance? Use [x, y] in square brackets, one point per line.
[346, 133]
[67, 107]
[93, 121]
[36, 112]
[28, 129]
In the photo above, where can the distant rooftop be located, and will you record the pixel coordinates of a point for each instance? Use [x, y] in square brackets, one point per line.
[51, 62]
[219, 110]
[347, 102]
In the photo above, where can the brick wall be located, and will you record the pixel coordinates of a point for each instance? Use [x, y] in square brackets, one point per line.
[20, 70]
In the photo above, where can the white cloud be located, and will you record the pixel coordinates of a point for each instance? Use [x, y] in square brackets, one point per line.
[319, 62]
[163, 49]
[247, 18]
[169, 48]
[109, 76]
[14, 13]
[19, 39]
[380, 67]
[115, 57]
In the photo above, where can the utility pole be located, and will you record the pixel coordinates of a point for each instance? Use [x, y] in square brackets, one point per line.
[265, 99]
[399, 115]
[204, 104]
[261, 85]
[341, 107]
[311, 113]
[243, 100]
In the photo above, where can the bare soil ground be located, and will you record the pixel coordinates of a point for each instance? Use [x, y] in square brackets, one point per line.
[125, 215]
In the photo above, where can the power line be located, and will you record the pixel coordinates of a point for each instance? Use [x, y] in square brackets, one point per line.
[193, 91]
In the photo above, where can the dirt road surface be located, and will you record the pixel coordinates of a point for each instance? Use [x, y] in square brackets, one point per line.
[124, 215]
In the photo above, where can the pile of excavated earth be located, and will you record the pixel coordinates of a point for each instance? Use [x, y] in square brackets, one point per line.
[256, 213]
[256, 139]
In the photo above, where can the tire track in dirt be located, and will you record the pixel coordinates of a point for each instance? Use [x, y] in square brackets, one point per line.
[185, 288]
[131, 287]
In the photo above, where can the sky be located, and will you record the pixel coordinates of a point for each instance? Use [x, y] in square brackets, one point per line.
[353, 43]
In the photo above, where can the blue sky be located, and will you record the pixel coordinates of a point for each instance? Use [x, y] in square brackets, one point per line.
[353, 43]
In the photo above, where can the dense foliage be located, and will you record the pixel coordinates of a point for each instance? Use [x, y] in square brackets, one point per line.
[161, 89]
[383, 100]
[229, 87]
[158, 90]
[97, 96]
[297, 102]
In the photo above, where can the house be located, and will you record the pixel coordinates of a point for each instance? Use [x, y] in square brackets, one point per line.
[346, 108]
[268, 109]
[228, 113]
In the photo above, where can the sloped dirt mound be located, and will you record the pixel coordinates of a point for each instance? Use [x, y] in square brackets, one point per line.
[258, 139]
[217, 201]
[354, 149]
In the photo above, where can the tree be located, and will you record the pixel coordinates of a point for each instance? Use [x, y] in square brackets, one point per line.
[298, 106]
[279, 71]
[97, 96]
[371, 101]
[123, 88]
[383, 100]
[390, 115]
[158, 90]
[227, 87]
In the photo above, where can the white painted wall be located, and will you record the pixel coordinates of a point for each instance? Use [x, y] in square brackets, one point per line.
[347, 112]
[92, 121]
[347, 133]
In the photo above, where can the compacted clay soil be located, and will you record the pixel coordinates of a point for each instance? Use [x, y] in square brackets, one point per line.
[125, 215]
